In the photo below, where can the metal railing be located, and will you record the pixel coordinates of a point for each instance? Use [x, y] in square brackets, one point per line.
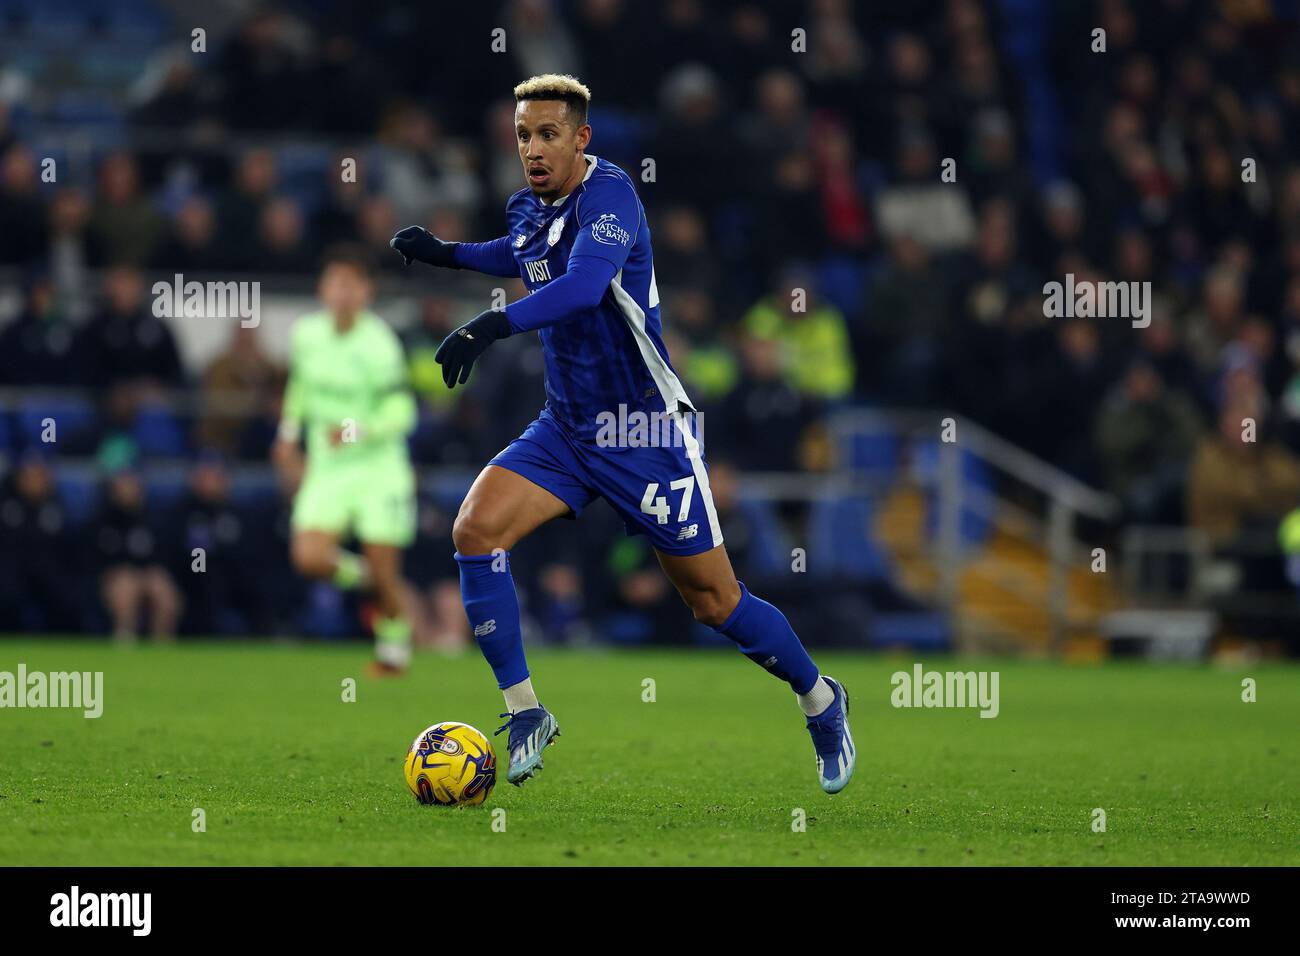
[1053, 526]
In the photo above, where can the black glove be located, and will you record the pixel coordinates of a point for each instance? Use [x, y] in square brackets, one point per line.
[459, 350]
[416, 242]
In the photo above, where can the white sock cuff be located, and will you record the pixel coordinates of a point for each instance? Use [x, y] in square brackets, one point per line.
[818, 699]
[520, 696]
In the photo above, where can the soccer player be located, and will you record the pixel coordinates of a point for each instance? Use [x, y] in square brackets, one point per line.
[347, 391]
[578, 238]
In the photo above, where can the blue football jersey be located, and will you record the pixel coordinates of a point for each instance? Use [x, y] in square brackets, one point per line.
[613, 355]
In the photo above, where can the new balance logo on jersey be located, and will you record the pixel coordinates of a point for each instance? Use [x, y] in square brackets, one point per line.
[690, 531]
[486, 628]
[539, 270]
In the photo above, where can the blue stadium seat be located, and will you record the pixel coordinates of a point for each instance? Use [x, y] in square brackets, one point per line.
[253, 490]
[620, 137]
[138, 21]
[157, 432]
[325, 613]
[840, 280]
[164, 491]
[919, 630]
[876, 453]
[769, 553]
[976, 480]
[78, 489]
[303, 171]
[73, 417]
[840, 541]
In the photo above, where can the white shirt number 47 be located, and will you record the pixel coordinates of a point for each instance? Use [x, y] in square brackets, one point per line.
[659, 506]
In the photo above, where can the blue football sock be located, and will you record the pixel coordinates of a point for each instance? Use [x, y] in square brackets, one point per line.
[488, 592]
[764, 636]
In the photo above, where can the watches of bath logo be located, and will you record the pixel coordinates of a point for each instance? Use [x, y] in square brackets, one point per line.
[607, 229]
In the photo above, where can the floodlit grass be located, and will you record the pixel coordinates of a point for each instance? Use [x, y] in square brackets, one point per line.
[714, 771]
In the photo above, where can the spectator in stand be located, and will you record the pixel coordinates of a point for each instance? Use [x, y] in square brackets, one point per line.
[993, 163]
[35, 348]
[1065, 388]
[897, 343]
[40, 573]
[174, 96]
[705, 361]
[1159, 344]
[1145, 436]
[422, 170]
[240, 208]
[763, 423]
[217, 561]
[694, 144]
[124, 225]
[192, 245]
[134, 545]
[125, 344]
[541, 41]
[71, 250]
[1241, 484]
[1219, 319]
[842, 200]
[919, 205]
[682, 250]
[433, 594]
[438, 317]
[376, 223]
[779, 124]
[1062, 229]
[813, 336]
[283, 243]
[338, 218]
[24, 236]
[242, 385]
[836, 62]
[264, 80]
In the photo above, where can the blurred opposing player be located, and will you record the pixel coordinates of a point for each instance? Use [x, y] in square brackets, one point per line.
[579, 239]
[347, 392]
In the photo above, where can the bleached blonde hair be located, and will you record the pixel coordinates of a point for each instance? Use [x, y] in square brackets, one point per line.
[557, 86]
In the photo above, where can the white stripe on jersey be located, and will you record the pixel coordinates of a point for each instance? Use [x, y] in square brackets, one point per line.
[670, 390]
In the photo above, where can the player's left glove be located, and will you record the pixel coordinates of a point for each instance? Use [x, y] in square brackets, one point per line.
[458, 351]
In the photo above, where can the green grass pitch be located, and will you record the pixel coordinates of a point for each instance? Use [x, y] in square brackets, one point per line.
[712, 772]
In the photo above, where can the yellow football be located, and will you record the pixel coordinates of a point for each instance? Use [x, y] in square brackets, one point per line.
[451, 763]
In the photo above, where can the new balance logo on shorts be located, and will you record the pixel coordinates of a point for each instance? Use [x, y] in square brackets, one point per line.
[690, 531]
[486, 628]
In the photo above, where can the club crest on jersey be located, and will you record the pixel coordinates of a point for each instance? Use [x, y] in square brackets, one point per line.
[557, 229]
[607, 229]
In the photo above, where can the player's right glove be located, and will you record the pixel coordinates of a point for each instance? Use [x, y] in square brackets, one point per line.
[416, 242]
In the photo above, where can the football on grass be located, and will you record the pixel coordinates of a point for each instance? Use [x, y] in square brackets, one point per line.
[451, 763]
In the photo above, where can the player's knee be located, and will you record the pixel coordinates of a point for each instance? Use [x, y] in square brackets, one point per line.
[712, 606]
[311, 559]
[473, 534]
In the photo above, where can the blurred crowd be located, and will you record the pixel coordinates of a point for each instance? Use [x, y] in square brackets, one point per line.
[808, 250]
